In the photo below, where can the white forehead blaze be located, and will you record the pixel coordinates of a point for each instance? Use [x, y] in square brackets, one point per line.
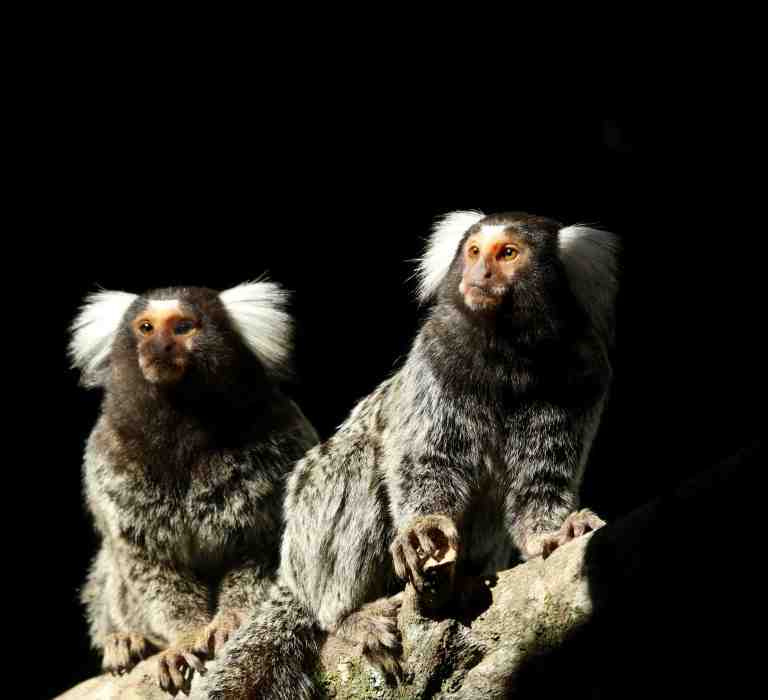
[163, 306]
[488, 233]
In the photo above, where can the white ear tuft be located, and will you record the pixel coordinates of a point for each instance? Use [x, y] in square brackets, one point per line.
[258, 313]
[441, 250]
[93, 332]
[589, 256]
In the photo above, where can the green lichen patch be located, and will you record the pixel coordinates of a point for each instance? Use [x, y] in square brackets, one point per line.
[354, 679]
[550, 627]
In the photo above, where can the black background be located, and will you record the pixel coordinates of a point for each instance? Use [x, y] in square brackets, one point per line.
[332, 190]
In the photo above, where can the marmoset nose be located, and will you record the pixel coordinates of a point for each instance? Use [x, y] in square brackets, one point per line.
[481, 271]
[163, 343]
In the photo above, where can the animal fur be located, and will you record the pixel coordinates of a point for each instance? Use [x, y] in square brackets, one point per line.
[489, 422]
[185, 482]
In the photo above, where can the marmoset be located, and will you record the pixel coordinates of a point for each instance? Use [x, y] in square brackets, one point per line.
[479, 441]
[185, 469]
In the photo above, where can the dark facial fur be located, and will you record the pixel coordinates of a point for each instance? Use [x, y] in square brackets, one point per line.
[217, 358]
[536, 303]
[223, 389]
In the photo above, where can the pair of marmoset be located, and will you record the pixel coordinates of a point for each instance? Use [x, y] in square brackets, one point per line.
[219, 512]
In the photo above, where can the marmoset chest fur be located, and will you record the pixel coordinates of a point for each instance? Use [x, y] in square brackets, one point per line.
[487, 440]
[198, 519]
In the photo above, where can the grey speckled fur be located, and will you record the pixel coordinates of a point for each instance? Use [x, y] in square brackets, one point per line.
[489, 422]
[185, 482]
[174, 552]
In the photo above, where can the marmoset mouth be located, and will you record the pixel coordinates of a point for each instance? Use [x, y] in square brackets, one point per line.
[488, 291]
[170, 363]
[484, 296]
[162, 369]
[176, 361]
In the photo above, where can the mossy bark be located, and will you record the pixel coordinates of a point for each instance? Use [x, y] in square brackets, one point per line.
[659, 603]
[475, 651]
[523, 611]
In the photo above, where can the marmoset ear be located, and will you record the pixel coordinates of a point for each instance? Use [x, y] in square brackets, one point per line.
[441, 249]
[257, 310]
[590, 258]
[93, 332]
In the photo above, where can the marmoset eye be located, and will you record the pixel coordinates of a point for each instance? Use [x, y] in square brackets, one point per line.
[183, 327]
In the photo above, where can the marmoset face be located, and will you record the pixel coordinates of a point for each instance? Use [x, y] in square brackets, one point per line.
[494, 257]
[205, 337]
[165, 332]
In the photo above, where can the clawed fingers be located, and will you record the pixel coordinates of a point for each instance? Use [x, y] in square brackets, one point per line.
[429, 536]
[548, 546]
[398, 559]
[436, 534]
[122, 652]
[406, 560]
[577, 528]
[451, 533]
[425, 547]
[121, 656]
[579, 523]
[218, 633]
[414, 564]
[163, 677]
[194, 662]
[175, 669]
[206, 642]
[592, 520]
[169, 676]
[382, 647]
[576, 524]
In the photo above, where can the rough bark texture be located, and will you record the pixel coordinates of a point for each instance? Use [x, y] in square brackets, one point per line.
[531, 607]
[657, 604]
